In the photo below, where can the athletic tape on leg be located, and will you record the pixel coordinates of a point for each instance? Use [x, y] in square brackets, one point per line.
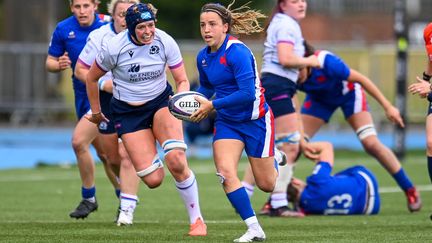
[366, 131]
[291, 138]
[156, 164]
[171, 144]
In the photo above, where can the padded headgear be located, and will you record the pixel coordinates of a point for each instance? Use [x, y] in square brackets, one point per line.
[136, 14]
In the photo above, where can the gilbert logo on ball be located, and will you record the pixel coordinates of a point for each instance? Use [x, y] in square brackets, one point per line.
[183, 104]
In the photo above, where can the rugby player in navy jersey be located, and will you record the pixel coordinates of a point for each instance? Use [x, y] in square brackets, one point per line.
[336, 85]
[351, 191]
[244, 121]
[67, 41]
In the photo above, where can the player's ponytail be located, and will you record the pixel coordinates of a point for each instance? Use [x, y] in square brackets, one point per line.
[242, 20]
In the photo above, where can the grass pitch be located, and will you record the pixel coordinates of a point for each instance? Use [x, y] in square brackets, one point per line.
[35, 206]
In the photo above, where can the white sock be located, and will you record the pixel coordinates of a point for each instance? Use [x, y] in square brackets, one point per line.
[188, 190]
[284, 178]
[128, 202]
[252, 222]
[278, 200]
[249, 188]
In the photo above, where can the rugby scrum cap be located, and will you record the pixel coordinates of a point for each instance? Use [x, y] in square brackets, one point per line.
[427, 35]
[136, 14]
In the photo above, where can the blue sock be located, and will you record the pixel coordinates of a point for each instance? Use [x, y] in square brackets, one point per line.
[240, 201]
[117, 192]
[430, 167]
[88, 192]
[402, 180]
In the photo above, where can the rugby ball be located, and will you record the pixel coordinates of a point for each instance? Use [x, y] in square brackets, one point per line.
[182, 105]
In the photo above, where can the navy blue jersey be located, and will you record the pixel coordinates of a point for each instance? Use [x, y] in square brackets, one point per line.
[231, 73]
[329, 82]
[70, 37]
[352, 191]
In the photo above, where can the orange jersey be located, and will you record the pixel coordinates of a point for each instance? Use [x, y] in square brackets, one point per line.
[427, 35]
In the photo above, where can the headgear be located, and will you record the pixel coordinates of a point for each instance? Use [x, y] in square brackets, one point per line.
[136, 14]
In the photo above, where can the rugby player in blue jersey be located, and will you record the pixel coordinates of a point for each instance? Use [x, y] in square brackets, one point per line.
[244, 121]
[336, 85]
[351, 191]
[67, 41]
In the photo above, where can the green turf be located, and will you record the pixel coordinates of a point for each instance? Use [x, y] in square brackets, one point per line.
[35, 204]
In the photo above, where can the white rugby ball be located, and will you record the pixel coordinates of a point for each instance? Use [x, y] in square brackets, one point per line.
[182, 105]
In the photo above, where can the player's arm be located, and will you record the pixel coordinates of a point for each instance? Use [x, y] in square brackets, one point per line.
[81, 70]
[94, 74]
[289, 59]
[391, 111]
[179, 75]
[57, 64]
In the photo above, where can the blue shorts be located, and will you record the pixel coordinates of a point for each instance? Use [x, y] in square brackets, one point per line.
[82, 105]
[257, 135]
[351, 103]
[105, 103]
[278, 93]
[373, 202]
[128, 118]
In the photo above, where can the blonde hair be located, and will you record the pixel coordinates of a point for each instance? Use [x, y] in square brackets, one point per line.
[111, 6]
[242, 20]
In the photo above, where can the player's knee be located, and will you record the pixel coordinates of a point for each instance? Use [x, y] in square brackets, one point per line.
[371, 144]
[153, 175]
[266, 185]
[155, 179]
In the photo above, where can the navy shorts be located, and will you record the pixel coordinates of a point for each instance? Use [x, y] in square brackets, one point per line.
[128, 118]
[105, 102]
[278, 93]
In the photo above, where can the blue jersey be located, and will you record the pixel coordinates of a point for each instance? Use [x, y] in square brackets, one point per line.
[352, 191]
[231, 73]
[70, 37]
[329, 82]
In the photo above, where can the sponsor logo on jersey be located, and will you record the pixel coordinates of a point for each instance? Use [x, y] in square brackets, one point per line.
[130, 53]
[203, 63]
[71, 35]
[103, 125]
[134, 68]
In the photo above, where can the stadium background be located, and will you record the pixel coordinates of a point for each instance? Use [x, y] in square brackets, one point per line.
[360, 31]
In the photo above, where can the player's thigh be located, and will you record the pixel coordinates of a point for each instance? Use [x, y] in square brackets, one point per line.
[84, 133]
[286, 123]
[311, 124]
[141, 147]
[360, 119]
[110, 146]
[165, 126]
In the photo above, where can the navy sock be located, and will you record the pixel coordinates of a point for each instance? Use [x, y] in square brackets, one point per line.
[240, 201]
[88, 192]
[117, 192]
[430, 167]
[402, 180]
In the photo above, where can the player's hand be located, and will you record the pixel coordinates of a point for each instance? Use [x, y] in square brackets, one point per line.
[420, 87]
[64, 61]
[394, 116]
[206, 106]
[309, 150]
[96, 118]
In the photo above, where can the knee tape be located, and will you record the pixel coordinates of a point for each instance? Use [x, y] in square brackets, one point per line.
[366, 131]
[171, 144]
[291, 138]
[156, 164]
[221, 178]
